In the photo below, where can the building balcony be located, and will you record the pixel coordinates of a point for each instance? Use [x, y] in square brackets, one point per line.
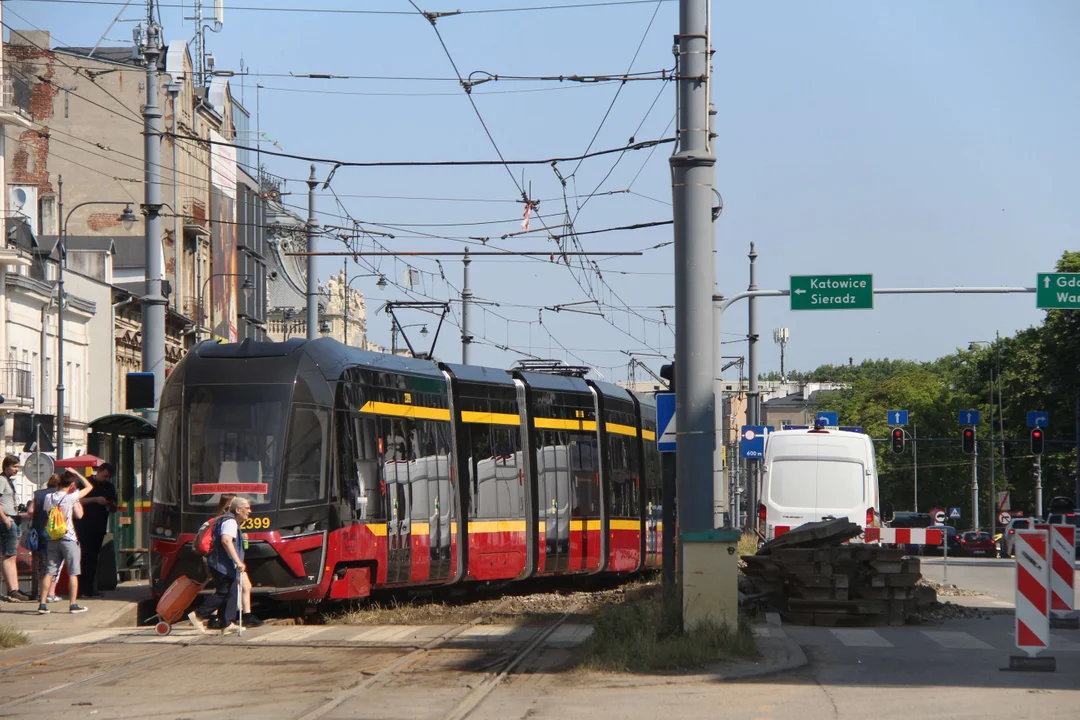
[15, 105]
[17, 384]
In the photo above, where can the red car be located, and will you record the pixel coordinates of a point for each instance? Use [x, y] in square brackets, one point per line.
[977, 544]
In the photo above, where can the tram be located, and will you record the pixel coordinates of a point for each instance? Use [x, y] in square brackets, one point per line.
[368, 471]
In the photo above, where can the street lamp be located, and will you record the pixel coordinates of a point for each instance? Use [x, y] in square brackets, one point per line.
[345, 293]
[247, 288]
[127, 219]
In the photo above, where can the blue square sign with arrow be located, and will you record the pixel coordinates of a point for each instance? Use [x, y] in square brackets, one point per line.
[1038, 418]
[828, 419]
[970, 417]
[896, 417]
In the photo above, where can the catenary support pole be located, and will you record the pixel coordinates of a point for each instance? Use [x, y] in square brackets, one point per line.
[692, 209]
[466, 301]
[178, 237]
[915, 458]
[753, 406]
[721, 494]
[312, 278]
[60, 325]
[1001, 416]
[992, 457]
[153, 303]
[1077, 486]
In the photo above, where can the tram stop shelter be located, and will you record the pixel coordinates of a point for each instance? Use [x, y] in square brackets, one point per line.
[126, 441]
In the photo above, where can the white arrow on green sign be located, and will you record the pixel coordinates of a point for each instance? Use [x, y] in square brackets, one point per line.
[832, 292]
[1057, 291]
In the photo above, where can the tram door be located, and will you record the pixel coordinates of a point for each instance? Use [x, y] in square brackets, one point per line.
[553, 472]
[399, 501]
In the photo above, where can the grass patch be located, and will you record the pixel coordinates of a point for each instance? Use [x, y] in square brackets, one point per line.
[11, 637]
[748, 544]
[643, 634]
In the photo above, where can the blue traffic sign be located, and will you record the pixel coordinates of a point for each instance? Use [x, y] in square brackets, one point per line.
[753, 441]
[828, 419]
[896, 417]
[1038, 418]
[969, 417]
[665, 422]
[954, 513]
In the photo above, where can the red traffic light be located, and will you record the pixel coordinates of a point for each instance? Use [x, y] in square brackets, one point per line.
[1037, 441]
[897, 440]
[968, 440]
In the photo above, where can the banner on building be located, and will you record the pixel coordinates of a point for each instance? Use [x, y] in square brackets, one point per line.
[222, 316]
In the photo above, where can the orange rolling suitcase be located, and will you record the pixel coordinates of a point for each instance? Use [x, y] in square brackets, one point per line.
[175, 602]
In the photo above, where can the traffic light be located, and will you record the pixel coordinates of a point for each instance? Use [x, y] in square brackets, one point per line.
[898, 441]
[1036, 441]
[968, 440]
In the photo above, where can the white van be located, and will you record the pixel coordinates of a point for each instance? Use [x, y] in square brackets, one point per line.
[812, 475]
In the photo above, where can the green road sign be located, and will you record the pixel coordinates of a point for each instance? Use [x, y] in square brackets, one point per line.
[832, 292]
[1058, 291]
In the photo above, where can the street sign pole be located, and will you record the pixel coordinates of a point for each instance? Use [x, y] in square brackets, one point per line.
[915, 456]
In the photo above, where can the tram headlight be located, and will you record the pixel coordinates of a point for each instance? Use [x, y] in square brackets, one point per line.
[168, 533]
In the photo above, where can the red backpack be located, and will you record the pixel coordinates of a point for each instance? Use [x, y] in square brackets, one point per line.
[204, 538]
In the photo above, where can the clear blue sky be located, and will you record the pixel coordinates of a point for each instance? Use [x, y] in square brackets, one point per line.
[928, 143]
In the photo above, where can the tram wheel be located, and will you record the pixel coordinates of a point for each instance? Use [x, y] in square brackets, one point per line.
[163, 628]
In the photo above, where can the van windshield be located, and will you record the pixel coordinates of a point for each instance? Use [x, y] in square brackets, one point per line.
[823, 484]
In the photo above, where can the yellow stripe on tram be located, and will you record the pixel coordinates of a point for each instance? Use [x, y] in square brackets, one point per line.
[648, 435]
[560, 424]
[399, 410]
[489, 418]
[621, 429]
[493, 526]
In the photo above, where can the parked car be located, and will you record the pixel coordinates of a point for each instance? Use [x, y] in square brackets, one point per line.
[953, 538]
[1008, 539]
[977, 544]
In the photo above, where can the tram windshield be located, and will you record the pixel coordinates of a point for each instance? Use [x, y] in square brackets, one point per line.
[235, 435]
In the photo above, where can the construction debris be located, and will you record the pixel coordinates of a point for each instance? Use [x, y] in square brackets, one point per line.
[814, 578]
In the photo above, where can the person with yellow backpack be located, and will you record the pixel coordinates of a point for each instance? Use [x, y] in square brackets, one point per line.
[62, 508]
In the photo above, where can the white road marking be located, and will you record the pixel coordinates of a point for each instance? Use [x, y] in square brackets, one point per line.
[860, 637]
[953, 640]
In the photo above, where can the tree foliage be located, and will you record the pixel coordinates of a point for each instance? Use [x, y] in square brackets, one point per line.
[1039, 369]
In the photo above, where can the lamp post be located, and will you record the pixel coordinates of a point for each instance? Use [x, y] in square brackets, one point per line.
[247, 287]
[348, 284]
[128, 218]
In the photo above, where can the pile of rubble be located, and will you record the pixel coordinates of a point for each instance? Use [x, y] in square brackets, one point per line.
[814, 578]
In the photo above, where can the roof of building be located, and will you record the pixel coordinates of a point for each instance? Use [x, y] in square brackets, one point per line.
[118, 55]
[129, 252]
[87, 243]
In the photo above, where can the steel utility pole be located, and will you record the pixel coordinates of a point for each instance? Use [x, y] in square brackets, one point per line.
[753, 409]
[1077, 487]
[1001, 420]
[466, 300]
[153, 303]
[992, 455]
[692, 171]
[915, 457]
[312, 279]
[178, 238]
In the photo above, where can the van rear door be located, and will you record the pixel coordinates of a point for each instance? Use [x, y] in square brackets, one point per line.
[808, 490]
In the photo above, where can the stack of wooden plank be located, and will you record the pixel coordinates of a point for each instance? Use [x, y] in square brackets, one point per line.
[842, 585]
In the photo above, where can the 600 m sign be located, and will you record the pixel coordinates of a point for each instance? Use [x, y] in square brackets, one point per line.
[832, 292]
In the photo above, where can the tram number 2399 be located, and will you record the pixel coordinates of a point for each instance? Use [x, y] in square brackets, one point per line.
[255, 523]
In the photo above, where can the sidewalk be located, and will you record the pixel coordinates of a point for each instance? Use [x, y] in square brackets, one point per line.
[117, 609]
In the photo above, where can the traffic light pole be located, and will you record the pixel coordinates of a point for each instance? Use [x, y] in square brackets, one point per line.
[1038, 487]
[975, 486]
[915, 457]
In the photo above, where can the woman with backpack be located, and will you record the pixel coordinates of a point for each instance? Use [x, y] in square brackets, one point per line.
[62, 507]
[226, 562]
[38, 518]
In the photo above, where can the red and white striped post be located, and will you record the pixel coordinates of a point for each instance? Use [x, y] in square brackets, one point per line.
[1032, 591]
[1063, 577]
[903, 536]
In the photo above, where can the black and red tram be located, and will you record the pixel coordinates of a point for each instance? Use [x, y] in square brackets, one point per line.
[372, 471]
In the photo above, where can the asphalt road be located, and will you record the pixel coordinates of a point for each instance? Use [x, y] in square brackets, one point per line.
[990, 576]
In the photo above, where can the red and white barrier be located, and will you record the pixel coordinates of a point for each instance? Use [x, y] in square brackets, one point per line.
[1032, 590]
[903, 536]
[1062, 573]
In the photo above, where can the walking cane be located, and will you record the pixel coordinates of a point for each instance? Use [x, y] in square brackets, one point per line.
[240, 604]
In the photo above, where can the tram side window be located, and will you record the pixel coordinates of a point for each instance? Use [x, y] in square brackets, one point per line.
[367, 495]
[167, 460]
[305, 458]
